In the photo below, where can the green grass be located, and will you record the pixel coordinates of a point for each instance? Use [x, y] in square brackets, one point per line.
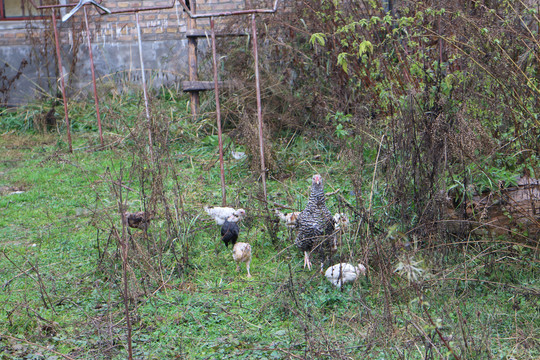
[61, 269]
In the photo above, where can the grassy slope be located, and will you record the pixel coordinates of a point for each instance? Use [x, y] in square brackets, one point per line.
[208, 311]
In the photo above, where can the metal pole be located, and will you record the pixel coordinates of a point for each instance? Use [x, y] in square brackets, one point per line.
[96, 100]
[218, 114]
[144, 88]
[194, 98]
[191, 12]
[225, 13]
[259, 110]
[63, 85]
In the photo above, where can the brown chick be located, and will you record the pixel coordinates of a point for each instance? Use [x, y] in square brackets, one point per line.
[138, 220]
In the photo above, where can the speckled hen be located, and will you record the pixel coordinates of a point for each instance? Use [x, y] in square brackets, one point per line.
[315, 224]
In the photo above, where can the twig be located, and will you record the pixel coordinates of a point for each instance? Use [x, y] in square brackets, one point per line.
[231, 314]
[374, 173]
[114, 182]
[23, 272]
[273, 203]
[123, 242]
[423, 333]
[276, 255]
[440, 335]
[39, 281]
[522, 288]
[282, 350]
[332, 193]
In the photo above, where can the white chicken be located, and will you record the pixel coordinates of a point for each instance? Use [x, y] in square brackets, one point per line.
[220, 214]
[242, 253]
[343, 273]
[289, 219]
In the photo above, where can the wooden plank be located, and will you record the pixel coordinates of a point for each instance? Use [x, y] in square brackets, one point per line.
[203, 85]
[199, 33]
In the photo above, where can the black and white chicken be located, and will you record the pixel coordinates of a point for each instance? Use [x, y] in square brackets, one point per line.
[315, 224]
[220, 214]
[230, 230]
[343, 273]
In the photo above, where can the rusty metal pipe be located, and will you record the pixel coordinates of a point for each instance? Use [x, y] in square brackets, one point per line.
[194, 97]
[62, 82]
[229, 13]
[218, 115]
[145, 93]
[41, 7]
[141, 9]
[143, 75]
[96, 100]
[196, 16]
[259, 107]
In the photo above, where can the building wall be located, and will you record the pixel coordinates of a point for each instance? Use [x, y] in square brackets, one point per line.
[114, 46]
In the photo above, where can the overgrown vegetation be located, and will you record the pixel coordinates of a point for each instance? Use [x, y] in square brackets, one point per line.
[405, 113]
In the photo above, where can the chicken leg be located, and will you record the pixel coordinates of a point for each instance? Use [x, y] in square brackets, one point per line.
[306, 260]
[247, 267]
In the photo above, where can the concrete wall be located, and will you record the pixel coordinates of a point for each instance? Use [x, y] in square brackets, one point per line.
[17, 53]
[114, 46]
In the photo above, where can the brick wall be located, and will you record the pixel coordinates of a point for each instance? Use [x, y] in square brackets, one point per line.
[114, 40]
[155, 25]
[165, 24]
